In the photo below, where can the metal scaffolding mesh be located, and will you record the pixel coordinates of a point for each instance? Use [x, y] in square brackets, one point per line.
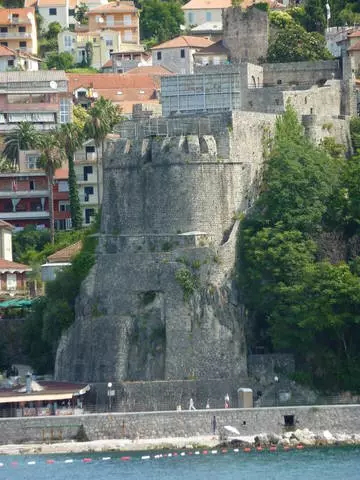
[176, 126]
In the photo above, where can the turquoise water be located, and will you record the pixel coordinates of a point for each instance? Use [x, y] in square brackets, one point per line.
[313, 464]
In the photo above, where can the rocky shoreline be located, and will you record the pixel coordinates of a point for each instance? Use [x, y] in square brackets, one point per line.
[305, 438]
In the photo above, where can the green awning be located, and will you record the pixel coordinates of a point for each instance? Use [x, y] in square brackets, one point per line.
[17, 303]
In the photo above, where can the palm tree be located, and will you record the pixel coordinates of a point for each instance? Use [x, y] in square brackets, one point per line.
[52, 157]
[103, 115]
[72, 138]
[24, 137]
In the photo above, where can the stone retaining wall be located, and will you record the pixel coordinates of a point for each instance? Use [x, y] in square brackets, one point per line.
[337, 419]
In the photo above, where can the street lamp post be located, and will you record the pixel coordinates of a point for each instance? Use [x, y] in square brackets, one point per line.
[110, 393]
[276, 380]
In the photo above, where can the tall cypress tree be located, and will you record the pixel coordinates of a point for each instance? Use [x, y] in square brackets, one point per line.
[73, 137]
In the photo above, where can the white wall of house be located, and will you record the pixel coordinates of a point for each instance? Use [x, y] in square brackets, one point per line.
[4, 63]
[26, 64]
[198, 17]
[57, 13]
[178, 60]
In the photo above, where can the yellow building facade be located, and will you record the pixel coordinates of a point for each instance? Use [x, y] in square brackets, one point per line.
[18, 29]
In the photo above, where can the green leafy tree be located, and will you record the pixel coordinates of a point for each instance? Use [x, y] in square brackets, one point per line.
[29, 239]
[294, 44]
[52, 314]
[23, 137]
[13, 3]
[53, 31]
[59, 61]
[300, 303]
[80, 14]
[315, 16]
[160, 20]
[52, 157]
[89, 52]
[80, 116]
[103, 115]
[72, 139]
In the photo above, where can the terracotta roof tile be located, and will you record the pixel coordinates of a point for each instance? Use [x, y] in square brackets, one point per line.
[217, 48]
[206, 4]
[185, 41]
[65, 254]
[114, 7]
[354, 34]
[220, 4]
[108, 64]
[6, 52]
[7, 266]
[355, 47]
[121, 89]
[154, 70]
[5, 14]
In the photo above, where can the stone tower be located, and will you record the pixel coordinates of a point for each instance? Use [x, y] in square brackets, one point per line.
[161, 301]
[246, 34]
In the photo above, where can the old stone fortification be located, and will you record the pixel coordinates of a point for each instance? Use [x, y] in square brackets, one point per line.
[246, 33]
[161, 302]
[338, 419]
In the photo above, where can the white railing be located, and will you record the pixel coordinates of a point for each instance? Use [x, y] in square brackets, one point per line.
[24, 193]
[18, 215]
[15, 35]
[117, 23]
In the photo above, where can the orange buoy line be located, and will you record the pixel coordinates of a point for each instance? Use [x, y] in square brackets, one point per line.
[157, 456]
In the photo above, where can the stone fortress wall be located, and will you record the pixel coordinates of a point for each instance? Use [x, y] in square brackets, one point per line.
[338, 419]
[170, 208]
[161, 302]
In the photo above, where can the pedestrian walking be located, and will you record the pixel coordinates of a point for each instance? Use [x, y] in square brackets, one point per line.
[191, 404]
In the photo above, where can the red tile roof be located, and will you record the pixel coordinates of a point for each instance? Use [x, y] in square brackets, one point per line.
[220, 4]
[55, 3]
[185, 41]
[5, 15]
[65, 254]
[108, 64]
[7, 266]
[355, 47]
[6, 52]
[354, 34]
[114, 7]
[154, 70]
[122, 89]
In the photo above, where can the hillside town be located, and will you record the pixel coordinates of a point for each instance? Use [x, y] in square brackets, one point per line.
[153, 253]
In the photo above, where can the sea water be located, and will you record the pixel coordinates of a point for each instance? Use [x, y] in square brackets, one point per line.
[308, 464]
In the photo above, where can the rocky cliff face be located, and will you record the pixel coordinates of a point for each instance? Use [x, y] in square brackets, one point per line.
[161, 302]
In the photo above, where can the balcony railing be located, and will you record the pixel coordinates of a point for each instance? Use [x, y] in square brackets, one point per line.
[15, 35]
[86, 157]
[7, 127]
[23, 215]
[117, 23]
[23, 194]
